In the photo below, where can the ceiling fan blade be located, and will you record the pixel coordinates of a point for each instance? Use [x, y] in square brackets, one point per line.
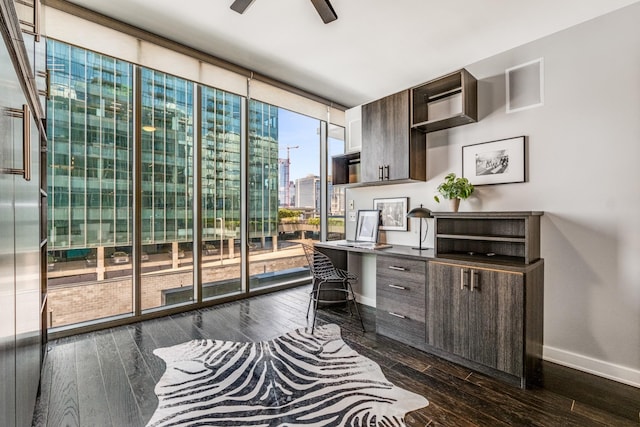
[325, 10]
[241, 5]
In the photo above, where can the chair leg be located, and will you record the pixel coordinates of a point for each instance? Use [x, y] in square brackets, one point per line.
[345, 284]
[313, 288]
[315, 307]
[355, 304]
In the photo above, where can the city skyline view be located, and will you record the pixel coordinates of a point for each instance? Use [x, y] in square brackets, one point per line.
[301, 132]
[184, 129]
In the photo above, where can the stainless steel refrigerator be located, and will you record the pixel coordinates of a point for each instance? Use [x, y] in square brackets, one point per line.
[21, 296]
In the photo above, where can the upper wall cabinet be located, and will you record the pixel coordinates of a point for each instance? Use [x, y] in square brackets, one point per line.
[445, 102]
[391, 151]
[390, 132]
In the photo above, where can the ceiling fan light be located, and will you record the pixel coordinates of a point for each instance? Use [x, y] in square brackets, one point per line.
[325, 10]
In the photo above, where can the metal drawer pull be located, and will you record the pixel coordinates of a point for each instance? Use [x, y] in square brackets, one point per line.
[397, 287]
[474, 283]
[397, 315]
[462, 283]
[393, 267]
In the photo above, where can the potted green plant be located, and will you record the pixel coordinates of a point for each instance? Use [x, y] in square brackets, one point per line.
[454, 189]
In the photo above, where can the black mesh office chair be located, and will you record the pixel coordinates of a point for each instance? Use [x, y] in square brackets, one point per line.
[328, 278]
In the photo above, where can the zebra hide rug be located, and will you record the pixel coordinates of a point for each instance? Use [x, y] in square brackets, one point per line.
[297, 379]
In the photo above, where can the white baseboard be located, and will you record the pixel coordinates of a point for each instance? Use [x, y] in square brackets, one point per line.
[593, 366]
[371, 302]
[580, 362]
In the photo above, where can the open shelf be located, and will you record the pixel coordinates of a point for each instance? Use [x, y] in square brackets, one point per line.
[345, 169]
[483, 257]
[492, 237]
[483, 237]
[445, 102]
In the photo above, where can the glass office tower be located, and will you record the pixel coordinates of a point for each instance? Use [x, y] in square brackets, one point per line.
[97, 106]
[263, 169]
[90, 123]
[91, 182]
[90, 168]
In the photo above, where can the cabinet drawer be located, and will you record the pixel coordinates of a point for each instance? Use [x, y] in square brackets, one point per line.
[407, 330]
[401, 269]
[397, 295]
[406, 307]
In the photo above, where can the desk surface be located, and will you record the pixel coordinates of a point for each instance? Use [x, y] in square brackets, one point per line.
[400, 250]
[427, 254]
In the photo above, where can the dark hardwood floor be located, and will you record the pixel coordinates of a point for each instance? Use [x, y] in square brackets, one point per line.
[107, 378]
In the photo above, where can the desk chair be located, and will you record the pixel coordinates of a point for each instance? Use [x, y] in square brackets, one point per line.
[327, 278]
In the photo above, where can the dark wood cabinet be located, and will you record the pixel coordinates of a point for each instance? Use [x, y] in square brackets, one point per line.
[400, 299]
[345, 169]
[391, 151]
[483, 310]
[479, 314]
[486, 288]
[445, 102]
[494, 237]
[393, 144]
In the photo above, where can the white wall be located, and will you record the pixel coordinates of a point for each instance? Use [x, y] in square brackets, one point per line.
[583, 164]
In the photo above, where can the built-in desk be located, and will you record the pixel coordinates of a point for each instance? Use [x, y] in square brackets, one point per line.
[481, 310]
[340, 251]
[363, 263]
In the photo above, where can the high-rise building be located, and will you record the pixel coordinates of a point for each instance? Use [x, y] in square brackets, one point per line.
[336, 199]
[90, 130]
[308, 192]
[284, 184]
[91, 143]
[263, 169]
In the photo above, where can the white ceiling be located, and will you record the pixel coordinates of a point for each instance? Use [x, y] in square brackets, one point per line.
[375, 48]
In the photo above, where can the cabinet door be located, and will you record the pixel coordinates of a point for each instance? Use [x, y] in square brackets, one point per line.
[448, 309]
[371, 153]
[385, 138]
[477, 314]
[496, 315]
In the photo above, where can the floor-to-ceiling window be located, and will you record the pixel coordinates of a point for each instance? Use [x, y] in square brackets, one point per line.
[284, 192]
[109, 119]
[167, 142]
[221, 169]
[89, 185]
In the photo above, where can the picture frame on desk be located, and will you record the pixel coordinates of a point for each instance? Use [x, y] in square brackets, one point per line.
[368, 225]
[393, 213]
[495, 162]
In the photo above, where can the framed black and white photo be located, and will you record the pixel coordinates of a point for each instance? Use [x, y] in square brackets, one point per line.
[393, 213]
[495, 162]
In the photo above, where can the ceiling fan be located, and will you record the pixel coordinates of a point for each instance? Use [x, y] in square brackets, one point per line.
[324, 8]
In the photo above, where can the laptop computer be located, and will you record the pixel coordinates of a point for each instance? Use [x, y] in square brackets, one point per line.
[367, 229]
